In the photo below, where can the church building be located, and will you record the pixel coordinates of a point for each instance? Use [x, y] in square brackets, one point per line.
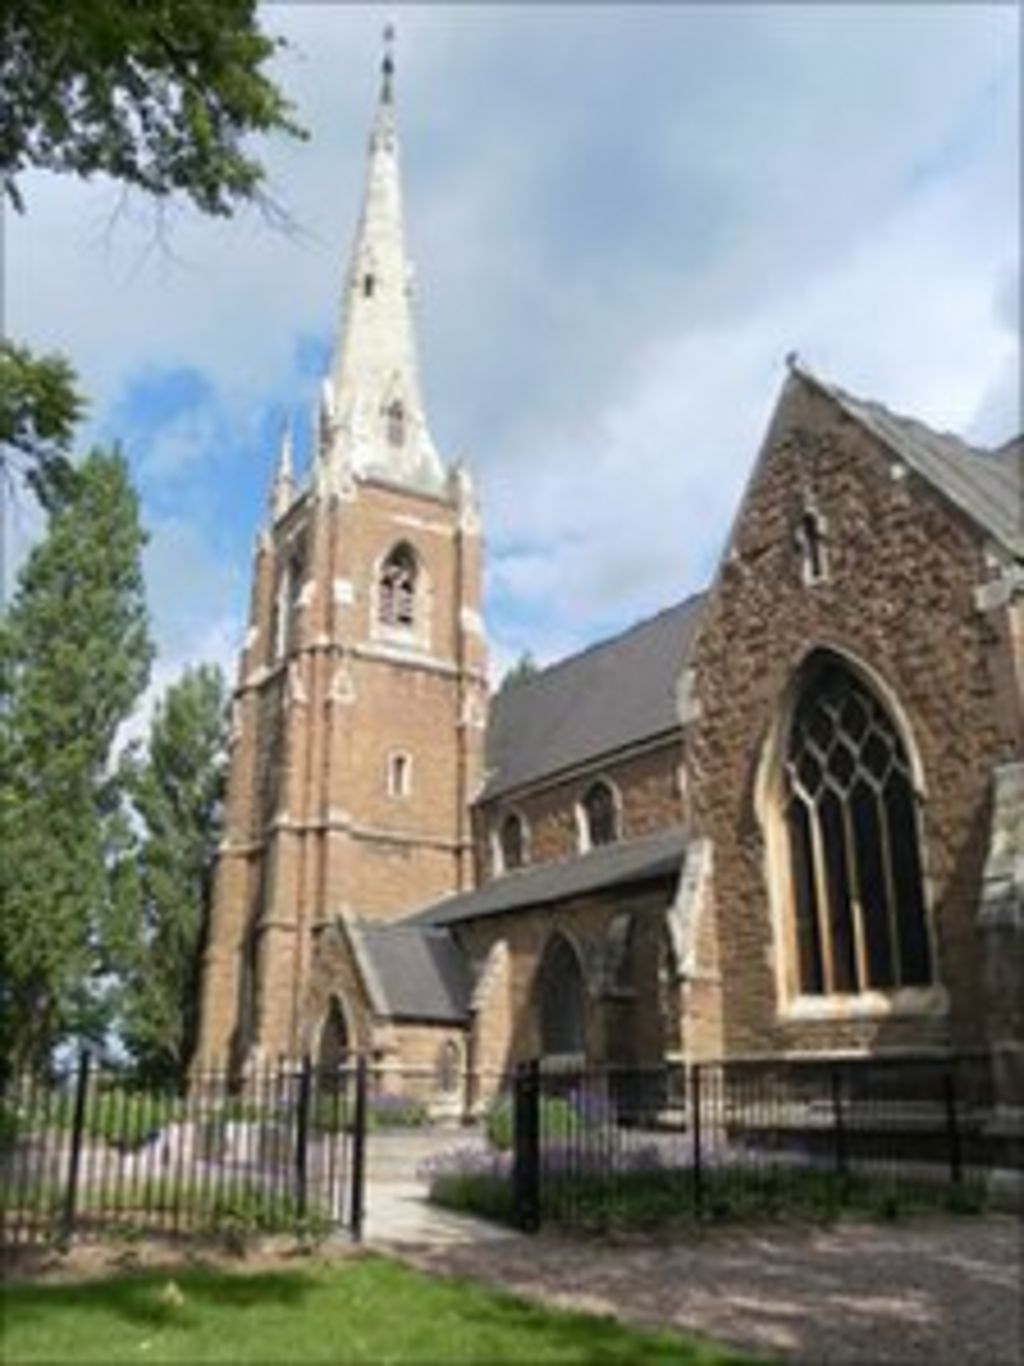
[783, 817]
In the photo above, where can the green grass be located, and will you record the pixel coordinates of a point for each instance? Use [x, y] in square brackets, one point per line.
[365, 1310]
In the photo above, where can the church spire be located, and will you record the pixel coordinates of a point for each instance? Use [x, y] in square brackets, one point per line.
[374, 421]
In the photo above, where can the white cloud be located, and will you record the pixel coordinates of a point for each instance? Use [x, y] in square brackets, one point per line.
[622, 218]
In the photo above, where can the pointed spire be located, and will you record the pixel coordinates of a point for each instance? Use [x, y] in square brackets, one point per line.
[377, 423]
[282, 491]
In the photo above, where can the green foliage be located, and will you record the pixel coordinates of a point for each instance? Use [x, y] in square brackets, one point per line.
[521, 671]
[558, 1121]
[176, 790]
[128, 1119]
[478, 1193]
[74, 658]
[39, 409]
[160, 96]
[333, 1114]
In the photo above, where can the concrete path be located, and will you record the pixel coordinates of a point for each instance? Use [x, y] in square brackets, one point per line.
[398, 1212]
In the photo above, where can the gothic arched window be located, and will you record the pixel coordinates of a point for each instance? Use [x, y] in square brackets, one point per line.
[396, 600]
[851, 811]
[562, 999]
[600, 815]
[512, 841]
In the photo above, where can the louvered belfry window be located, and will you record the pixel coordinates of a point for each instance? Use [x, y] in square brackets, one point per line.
[858, 894]
[397, 588]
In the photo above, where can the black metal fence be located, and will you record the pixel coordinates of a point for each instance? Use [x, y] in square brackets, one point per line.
[89, 1149]
[611, 1146]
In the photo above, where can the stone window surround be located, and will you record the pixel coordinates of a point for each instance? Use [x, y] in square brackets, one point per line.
[584, 842]
[792, 1006]
[416, 636]
[399, 774]
[497, 848]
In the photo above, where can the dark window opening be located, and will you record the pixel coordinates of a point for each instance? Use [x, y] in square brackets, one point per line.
[397, 588]
[396, 423]
[368, 286]
[600, 815]
[512, 843]
[811, 541]
[562, 1000]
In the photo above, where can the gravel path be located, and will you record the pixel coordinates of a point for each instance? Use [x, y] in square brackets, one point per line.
[937, 1291]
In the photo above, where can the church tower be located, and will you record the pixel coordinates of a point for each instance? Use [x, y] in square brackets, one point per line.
[357, 733]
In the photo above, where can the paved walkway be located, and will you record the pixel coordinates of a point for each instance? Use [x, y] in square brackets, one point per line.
[937, 1291]
[398, 1212]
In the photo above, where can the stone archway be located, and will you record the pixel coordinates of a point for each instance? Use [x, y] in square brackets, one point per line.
[335, 1039]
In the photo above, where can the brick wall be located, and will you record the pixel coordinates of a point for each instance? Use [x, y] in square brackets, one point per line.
[647, 784]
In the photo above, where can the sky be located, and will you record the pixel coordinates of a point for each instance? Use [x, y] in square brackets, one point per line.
[622, 218]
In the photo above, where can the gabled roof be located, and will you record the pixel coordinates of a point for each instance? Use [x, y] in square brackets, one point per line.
[612, 695]
[420, 971]
[988, 485]
[613, 866]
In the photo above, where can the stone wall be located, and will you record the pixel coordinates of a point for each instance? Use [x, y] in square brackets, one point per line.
[899, 600]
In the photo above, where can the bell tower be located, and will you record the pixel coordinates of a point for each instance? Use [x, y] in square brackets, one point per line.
[361, 697]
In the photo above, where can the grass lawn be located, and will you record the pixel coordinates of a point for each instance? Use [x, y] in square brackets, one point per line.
[367, 1309]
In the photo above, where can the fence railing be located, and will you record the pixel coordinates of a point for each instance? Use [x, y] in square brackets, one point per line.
[89, 1149]
[594, 1146]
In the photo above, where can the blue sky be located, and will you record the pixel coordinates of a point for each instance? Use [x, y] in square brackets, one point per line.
[622, 218]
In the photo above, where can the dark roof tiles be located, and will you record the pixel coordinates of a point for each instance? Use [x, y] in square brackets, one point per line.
[603, 699]
[611, 866]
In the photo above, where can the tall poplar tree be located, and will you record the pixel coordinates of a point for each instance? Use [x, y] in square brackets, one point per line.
[74, 658]
[176, 790]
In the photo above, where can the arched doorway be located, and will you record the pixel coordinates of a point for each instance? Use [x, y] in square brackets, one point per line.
[563, 1004]
[334, 1043]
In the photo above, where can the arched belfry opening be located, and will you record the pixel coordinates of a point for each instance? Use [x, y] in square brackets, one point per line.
[562, 1000]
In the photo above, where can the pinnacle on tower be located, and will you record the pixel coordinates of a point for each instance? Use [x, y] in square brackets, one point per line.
[376, 424]
[282, 491]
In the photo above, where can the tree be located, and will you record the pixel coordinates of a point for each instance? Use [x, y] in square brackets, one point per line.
[523, 669]
[74, 658]
[160, 95]
[176, 790]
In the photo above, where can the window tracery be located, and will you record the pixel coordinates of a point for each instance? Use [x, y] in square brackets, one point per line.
[858, 903]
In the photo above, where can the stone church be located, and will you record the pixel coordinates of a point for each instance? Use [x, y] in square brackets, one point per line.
[785, 816]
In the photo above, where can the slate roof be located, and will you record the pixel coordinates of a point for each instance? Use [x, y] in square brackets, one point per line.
[421, 972]
[987, 485]
[611, 866]
[603, 699]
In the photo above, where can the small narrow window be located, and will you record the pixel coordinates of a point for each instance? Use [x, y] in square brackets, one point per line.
[368, 286]
[399, 775]
[512, 842]
[810, 540]
[449, 1067]
[396, 423]
[600, 816]
[397, 588]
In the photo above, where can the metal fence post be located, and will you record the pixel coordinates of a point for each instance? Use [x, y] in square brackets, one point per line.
[359, 1152]
[956, 1169]
[838, 1118]
[526, 1146]
[302, 1137]
[695, 1105]
[75, 1156]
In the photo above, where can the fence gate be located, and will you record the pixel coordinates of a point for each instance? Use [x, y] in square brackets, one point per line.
[88, 1150]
